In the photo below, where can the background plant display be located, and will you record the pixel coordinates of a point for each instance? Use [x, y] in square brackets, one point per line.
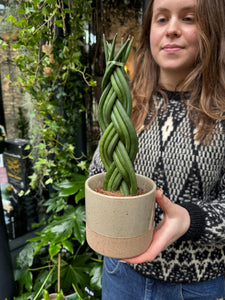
[53, 79]
[118, 145]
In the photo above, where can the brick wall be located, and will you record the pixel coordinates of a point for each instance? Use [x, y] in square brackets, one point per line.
[12, 97]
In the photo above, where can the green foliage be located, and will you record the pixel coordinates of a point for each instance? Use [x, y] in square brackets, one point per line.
[62, 233]
[54, 81]
[50, 42]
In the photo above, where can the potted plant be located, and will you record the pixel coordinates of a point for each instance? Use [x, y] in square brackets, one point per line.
[119, 203]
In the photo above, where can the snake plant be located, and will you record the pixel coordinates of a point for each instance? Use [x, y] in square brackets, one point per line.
[118, 144]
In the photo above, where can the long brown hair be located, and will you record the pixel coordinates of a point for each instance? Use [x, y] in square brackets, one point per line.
[206, 82]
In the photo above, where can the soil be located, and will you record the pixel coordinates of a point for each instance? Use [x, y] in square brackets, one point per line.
[116, 193]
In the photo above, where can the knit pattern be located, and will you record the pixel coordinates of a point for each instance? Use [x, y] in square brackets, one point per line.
[191, 175]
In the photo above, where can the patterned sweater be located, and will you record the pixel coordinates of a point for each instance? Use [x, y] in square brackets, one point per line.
[193, 176]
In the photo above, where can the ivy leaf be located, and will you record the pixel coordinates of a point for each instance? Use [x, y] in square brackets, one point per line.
[45, 11]
[21, 11]
[52, 2]
[68, 11]
[49, 181]
[11, 19]
[4, 45]
[58, 23]
[82, 165]
[29, 10]
[41, 161]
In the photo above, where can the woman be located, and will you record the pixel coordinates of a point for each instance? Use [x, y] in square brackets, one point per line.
[178, 110]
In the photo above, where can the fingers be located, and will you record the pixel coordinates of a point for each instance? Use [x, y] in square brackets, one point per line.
[163, 202]
[157, 245]
[174, 224]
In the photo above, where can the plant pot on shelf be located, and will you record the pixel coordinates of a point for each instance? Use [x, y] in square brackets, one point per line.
[119, 227]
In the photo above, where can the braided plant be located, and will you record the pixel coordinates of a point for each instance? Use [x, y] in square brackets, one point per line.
[118, 144]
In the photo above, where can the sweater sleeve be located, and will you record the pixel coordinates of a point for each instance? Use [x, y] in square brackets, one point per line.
[208, 219]
[197, 222]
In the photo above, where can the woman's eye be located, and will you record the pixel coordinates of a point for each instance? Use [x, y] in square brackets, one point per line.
[189, 19]
[161, 20]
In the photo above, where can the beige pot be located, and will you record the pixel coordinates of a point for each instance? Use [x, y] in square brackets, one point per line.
[119, 227]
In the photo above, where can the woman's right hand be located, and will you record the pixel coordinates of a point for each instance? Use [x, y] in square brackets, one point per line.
[174, 224]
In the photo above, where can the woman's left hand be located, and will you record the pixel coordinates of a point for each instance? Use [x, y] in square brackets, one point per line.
[174, 224]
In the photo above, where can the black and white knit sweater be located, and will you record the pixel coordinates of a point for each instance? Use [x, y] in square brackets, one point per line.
[191, 175]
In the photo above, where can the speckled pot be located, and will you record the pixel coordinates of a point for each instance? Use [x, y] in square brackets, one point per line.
[119, 227]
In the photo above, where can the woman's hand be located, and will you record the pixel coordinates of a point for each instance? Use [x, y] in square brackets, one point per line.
[175, 223]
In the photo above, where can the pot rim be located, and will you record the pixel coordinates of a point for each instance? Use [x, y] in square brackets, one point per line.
[152, 190]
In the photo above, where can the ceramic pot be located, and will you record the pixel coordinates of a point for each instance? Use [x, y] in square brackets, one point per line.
[119, 227]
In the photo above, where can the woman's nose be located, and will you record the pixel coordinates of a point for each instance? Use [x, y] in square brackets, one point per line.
[173, 28]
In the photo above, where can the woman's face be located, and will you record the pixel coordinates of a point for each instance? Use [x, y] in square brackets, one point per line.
[174, 38]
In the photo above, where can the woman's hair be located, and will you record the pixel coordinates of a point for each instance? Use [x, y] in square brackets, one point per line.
[206, 82]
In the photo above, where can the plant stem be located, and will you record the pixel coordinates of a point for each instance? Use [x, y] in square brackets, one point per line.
[59, 266]
[46, 279]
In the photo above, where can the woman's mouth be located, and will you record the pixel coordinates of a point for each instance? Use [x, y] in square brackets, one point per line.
[172, 48]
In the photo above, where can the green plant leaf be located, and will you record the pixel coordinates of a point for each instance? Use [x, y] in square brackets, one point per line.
[55, 104]
[25, 296]
[54, 249]
[24, 277]
[79, 230]
[4, 45]
[45, 295]
[25, 257]
[68, 245]
[96, 276]
[58, 23]
[11, 19]
[40, 276]
[61, 231]
[76, 271]
[59, 295]
[80, 195]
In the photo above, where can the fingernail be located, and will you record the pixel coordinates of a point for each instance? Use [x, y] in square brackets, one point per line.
[161, 192]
